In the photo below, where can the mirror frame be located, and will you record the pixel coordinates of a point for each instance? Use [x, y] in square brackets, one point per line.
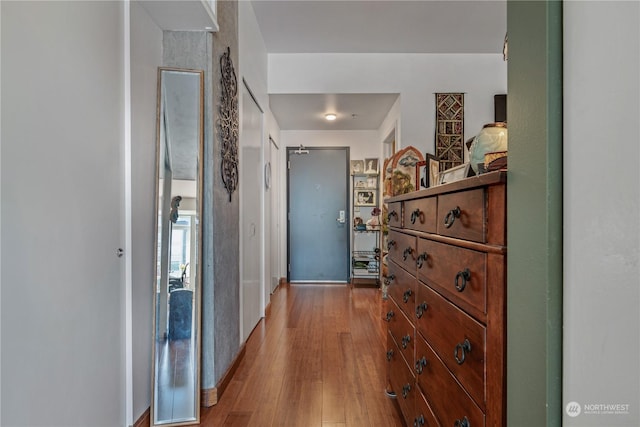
[198, 269]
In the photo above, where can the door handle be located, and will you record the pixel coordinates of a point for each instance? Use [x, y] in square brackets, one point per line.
[341, 217]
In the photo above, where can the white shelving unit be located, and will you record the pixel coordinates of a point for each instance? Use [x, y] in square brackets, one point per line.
[365, 254]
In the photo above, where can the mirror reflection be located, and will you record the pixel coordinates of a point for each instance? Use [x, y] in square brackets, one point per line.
[176, 353]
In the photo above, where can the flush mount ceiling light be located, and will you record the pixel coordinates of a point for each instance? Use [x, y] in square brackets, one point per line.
[331, 117]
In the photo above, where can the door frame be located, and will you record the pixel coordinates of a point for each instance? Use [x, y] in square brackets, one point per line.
[347, 201]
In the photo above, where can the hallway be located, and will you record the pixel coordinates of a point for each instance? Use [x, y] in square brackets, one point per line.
[316, 361]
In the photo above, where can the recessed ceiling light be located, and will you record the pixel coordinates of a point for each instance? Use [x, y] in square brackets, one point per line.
[331, 117]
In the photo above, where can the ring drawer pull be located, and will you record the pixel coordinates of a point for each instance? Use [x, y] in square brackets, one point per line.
[390, 243]
[392, 213]
[405, 390]
[406, 253]
[462, 278]
[390, 314]
[405, 341]
[415, 215]
[451, 216]
[420, 309]
[418, 421]
[389, 355]
[421, 259]
[462, 423]
[389, 279]
[407, 294]
[420, 364]
[462, 348]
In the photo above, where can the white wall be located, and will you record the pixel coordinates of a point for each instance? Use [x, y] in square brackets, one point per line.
[62, 202]
[416, 77]
[601, 205]
[146, 56]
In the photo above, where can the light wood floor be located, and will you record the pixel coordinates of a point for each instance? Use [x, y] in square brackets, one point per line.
[318, 360]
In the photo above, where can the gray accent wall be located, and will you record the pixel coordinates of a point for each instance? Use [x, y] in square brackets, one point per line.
[225, 222]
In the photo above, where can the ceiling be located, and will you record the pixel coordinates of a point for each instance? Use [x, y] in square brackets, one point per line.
[364, 26]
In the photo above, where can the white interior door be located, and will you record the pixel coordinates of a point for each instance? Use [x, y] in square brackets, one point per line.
[251, 214]
[62, 214]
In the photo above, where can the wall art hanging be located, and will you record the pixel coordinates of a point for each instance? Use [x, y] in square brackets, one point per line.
[449, 129]
[228, 123]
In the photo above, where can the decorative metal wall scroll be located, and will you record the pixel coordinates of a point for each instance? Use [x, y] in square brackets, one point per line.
[449, 129]
[228, 123]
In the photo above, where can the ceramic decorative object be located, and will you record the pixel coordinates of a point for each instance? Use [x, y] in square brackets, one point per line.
[492, 138]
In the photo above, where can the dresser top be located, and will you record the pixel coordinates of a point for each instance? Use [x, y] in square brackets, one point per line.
[490, 178]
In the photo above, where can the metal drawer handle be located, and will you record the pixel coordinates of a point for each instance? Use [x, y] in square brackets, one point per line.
[415, 215]
[405, 341]
[407, 294]
[451, 216]
[389, 279]
[389, 355]
[462, 348]
[405, 390]
[390, 243]
[418, 421]
[420, 364]
[390, 315]
[420, 309]
[392, 213]
[406, 253]
[462, 423]
[461, 279]
[421, 259]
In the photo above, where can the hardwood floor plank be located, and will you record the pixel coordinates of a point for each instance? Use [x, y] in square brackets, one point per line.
[316, 361]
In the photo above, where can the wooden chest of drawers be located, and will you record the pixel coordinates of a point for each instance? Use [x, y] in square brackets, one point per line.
[447, 316]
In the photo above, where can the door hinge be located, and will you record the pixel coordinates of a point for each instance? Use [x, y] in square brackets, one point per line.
[289, 268]
[289, 164]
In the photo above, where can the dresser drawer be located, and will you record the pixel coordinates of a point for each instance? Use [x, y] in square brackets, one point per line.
[424, 414]
[420, 214]
[462, 215]
[402, 250]
[394, 214]
[402, 288]
[402, 381]
[449, 401]
[459, 340]
[402, 330]
[458, 273]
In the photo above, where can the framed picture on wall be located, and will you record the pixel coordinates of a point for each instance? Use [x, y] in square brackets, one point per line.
[371, 166]
[364, 198]
[357, 167]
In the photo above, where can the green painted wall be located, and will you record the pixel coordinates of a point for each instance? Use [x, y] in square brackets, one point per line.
[534, 313]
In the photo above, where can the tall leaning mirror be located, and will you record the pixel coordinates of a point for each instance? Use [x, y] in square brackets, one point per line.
[176, 326]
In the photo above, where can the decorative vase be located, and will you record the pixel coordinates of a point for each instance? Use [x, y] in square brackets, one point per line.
[493, 137]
